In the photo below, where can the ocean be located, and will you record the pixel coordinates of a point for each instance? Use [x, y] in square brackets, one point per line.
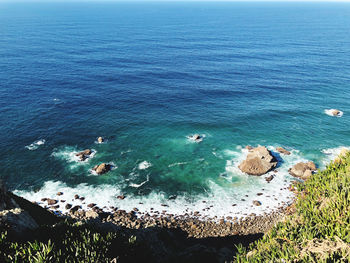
[145, 76]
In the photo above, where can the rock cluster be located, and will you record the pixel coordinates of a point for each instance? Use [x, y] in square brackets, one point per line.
[303, 170]
[102, 168]
[259, 161]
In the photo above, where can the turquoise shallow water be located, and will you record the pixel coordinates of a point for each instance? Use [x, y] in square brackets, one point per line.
[145, 76]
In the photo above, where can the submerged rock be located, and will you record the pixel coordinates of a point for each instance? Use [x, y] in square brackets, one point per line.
[302, 170]
[102, 168]
[282, 150]
[100, 140]
[196, 137]
[259, 161]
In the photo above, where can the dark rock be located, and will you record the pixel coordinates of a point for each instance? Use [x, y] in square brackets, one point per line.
[51, 201]
[283, 151]
[84, 154]
[59, 193]
[68, 206]
[256, 203]
[91, 205]
[269, 178]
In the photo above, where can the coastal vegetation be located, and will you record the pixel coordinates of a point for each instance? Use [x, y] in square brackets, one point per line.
[318, 229]
[315, 229]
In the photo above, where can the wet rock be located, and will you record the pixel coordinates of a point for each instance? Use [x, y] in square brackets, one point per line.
[68, 206]
[102, 168]
[248, 147]
[91, 205]
[43, 199]
[100, 140]
[121, 197]
[258, 194]
[256, 203]
[51, 201]
[336, 112]
[82, 198]
[283, 151]
[76, 196]
[258, 162]
[84, 154]
[269, 178]
[59, 193]
[75, 208]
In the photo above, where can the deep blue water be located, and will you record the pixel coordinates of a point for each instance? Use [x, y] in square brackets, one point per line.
[146, 75]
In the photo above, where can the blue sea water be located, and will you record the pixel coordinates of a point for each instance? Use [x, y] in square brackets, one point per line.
[146, 75]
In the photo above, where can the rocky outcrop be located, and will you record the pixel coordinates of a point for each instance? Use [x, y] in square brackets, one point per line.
[282, 150]
[303, 170]
[102, 168]
[84, 154]
[18, 216]
[259, 161]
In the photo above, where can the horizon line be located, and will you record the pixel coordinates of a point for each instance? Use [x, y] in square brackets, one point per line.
[174, 1]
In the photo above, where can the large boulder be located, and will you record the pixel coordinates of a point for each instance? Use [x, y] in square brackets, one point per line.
[259, 161]
[102, 168]
[303, 170]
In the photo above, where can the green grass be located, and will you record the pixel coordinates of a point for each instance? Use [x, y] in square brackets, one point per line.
[319, 228]
[70, 242]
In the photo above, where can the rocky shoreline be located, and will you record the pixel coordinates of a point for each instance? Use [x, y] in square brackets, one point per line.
[191, 223]
[258, 162]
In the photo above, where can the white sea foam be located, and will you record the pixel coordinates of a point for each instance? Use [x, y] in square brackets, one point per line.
[232, 194]
[144, 165]
[141, 184]
[177, 164]
[35, 145]
[330, 113]
[68, 154]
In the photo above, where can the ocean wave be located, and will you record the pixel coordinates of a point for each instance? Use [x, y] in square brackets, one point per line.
[177, 164]
[35, 145]
[141, 184]
[144, 165]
